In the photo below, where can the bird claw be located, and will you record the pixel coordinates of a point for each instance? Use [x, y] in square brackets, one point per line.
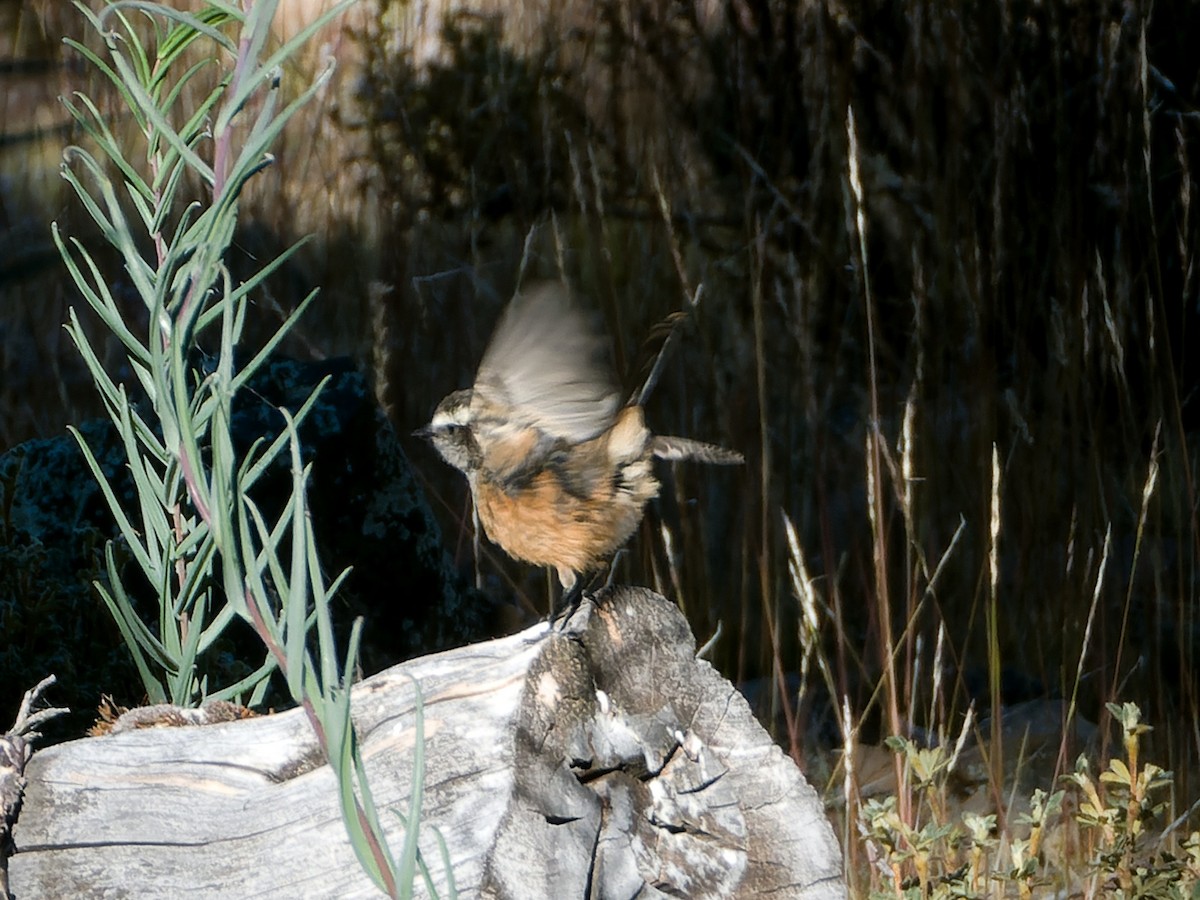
[576, 610]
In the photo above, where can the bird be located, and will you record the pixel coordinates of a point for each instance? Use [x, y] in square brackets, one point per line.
[560, 472]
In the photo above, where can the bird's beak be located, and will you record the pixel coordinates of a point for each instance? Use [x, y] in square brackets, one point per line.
[425, 432]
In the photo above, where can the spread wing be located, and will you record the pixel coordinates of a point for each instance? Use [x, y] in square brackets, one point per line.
[548, 362]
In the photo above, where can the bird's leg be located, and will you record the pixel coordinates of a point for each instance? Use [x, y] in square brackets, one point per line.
[573, 591]
[612, 568]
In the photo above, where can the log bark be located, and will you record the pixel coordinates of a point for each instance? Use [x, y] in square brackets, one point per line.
[604, 760]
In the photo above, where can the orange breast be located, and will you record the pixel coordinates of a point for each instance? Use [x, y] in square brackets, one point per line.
[543, 524]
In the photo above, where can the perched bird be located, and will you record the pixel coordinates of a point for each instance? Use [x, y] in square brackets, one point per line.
[559, 471]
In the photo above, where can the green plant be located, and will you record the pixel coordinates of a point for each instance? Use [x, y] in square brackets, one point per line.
[1117, 810]
[1101, 836]
[198, 538]
[177, 441]
[938, 852]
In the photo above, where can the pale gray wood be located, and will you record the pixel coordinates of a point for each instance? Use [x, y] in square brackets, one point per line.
[607, 760]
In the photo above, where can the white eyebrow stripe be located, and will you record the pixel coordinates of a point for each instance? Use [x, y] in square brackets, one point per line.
[459, 415]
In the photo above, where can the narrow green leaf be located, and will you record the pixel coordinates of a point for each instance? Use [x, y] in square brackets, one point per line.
[187, 29]
[182, 682]
[154, 689]
[254, 151]
[132, 40]
[191, 127]
[93, 209]
[197, 569]
[154, 520]
[257, 681]
[127, 529]
[99, 299]
[255, 29]
[348, 762]
[287, 50]
[248, 371]
[216, 627]
[95, 124]
[94, 59]
[144, 210]
[135, 628]
[142, 101]
[447, 867]
[252, 467]
[255, 564]
[325, 638]
[406, 868]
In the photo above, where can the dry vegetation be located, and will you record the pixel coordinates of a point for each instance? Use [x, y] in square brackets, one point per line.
[945, 260]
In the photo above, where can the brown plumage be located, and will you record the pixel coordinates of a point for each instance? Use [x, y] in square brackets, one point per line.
[560, 473]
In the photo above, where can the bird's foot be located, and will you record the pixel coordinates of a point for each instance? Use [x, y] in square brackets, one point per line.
[575, 610]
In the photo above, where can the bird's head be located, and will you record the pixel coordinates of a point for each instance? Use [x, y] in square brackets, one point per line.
[451, 434]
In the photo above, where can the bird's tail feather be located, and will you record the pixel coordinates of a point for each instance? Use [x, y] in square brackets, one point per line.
[669, 447]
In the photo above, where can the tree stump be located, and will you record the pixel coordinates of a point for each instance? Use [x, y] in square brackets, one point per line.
[602, 761]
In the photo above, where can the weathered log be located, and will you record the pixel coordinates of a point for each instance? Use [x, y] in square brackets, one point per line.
[603, 761]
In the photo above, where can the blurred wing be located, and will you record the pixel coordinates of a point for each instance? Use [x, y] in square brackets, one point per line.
[548, 361]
